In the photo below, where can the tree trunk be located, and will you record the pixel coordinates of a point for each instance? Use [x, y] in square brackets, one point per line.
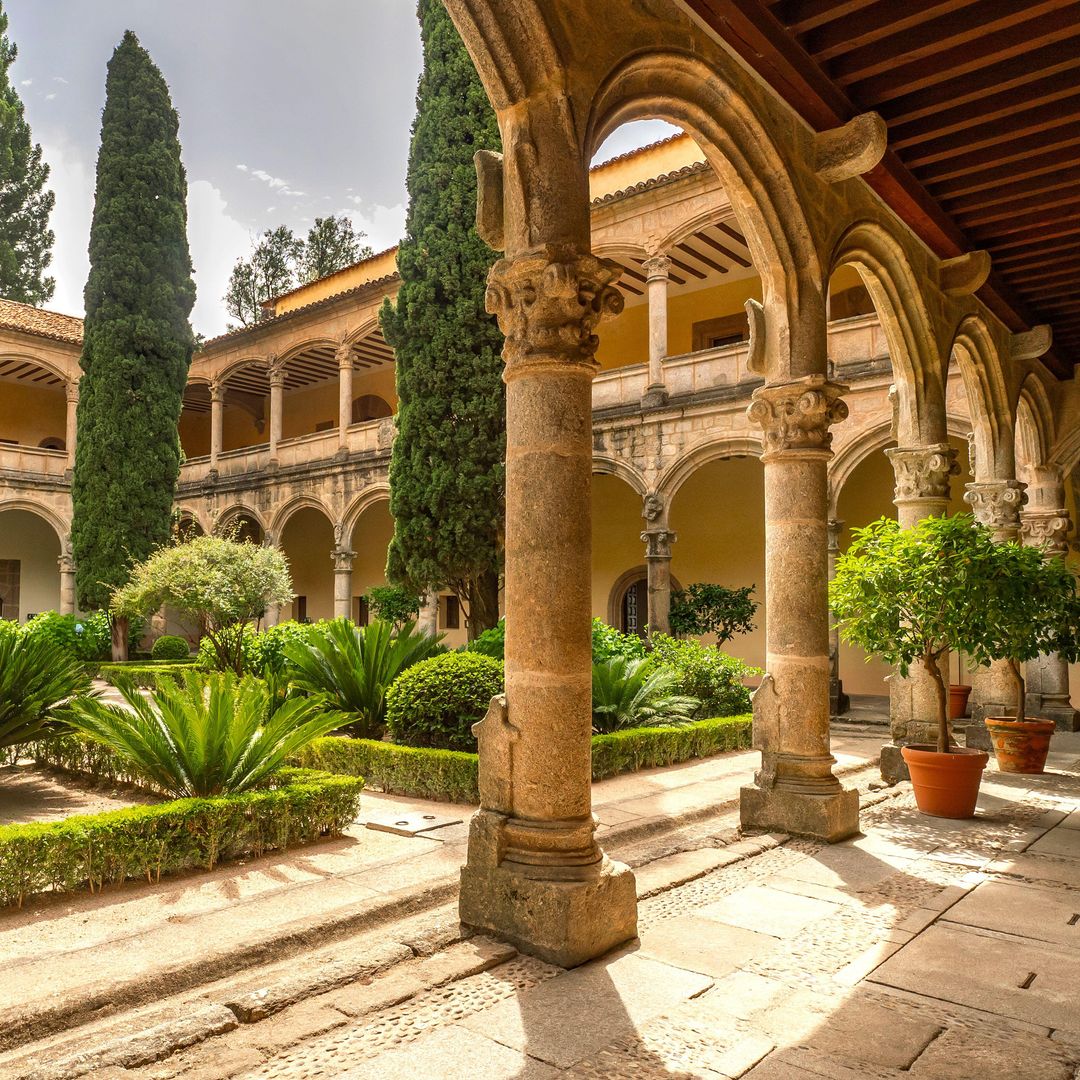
[483, 603]
[930, 662]
[1021, 690]
[119, 627]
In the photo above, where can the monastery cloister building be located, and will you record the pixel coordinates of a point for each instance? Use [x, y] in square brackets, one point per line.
[723, 353]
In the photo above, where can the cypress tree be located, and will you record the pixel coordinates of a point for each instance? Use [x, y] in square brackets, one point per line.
[447, 478]
[25, 204]
[137, 341]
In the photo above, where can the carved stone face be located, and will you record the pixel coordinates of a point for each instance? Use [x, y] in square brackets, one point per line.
[653, 507]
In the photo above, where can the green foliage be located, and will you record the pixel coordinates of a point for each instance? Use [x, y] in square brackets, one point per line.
[437, 702]
[332, 244]
[148, 841]
[351, 667]
[148, 676]
[213, 735]
[270, 271]
[87, 637]
[447, 479]
[607, 643]
[650, 747]
[38, 680]
[712, 609]
[25, 203]
[636, 693]
[137, 341]
[492, 642]
[260, 651]
[170, 647]
[713, 677]
[393, 604]
[218, 583]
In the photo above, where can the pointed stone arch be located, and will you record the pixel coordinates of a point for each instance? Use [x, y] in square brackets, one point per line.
[979, 358]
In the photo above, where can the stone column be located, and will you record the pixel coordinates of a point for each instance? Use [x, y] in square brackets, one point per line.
[71, 426]
[658, 569]
[345, 394]
[838, 700]
[343, 558]
[217, 401]
[272, 615]
[1048, 677]
[996, 504]
[277, 383]
[795, 790]
[427, 621]
[922, 475]
[657, 268]
[535, 873]
[67, 584]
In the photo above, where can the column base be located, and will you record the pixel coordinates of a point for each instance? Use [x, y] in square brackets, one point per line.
[829, 817]
[655, 397]
[1058, 709]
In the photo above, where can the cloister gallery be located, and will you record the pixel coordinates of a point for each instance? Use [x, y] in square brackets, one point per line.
[724, 351]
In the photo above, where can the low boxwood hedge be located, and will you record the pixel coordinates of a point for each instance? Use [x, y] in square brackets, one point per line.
[93, 850]
[146, 675]
[452, 775]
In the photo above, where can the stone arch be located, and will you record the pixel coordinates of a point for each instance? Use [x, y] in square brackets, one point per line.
[1034, 427]
[368, 326]
[44, 365]
[233, 511]
[681, 470]
[979, 361]
[851, 456]
[301, 347]
[685, 90]
[372, 494]
[299, 502]
[884, 267]
[613, 249]
[61, 527]
[368, 407]
[222, 376]
[604, 465]
[713, 215]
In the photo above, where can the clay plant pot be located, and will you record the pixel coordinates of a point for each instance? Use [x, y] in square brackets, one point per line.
[946, 785]
[958, 699]
[1020, 746]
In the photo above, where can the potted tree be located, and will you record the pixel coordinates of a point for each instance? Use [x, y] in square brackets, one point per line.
[1031, 607]
[908, 596]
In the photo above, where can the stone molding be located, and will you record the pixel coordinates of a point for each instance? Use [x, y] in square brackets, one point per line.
[657, 267]
[658, 543]
[343, 559]
[1046, 529]
[996, 503]
[344, 356]
[71, 391]
[795, 417]
[922, 472]
[548, 308]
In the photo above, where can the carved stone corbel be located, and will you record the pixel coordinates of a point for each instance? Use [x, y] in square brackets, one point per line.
[1031, 344]
[755, 358]
[965, 274]
[850, 150]
[489, 198]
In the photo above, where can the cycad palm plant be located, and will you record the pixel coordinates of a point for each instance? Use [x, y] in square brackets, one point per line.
[637, 693]
[214, 735]
[352, 668]
[38, 681]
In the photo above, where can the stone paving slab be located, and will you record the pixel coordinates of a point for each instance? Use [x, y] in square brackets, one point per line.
[1051, 915]
[1064, 843]
[767, 911]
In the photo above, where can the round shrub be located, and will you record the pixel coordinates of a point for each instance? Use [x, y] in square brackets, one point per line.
[169, 647]
[437, 701]
[705, 673]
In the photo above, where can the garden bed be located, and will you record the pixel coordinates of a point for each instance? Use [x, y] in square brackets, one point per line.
[30, 794]
[147, 674]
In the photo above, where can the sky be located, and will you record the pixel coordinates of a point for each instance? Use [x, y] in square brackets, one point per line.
[288, 111]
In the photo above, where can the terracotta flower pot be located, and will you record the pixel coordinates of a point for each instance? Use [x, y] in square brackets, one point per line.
[1020, 746]
[958, 699]
[946, 785]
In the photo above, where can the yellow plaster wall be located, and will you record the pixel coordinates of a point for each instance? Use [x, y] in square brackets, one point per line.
[648, 163]
[378, 266]
[301, 410]
[33, 541]
[617, 525]
[308, 543]
[31, 414]
[194, 433]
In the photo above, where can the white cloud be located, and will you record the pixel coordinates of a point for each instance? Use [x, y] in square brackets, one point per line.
[242, 168]
[60, 79]
[217, 240]
[72, 179]
[275, 183]
[384, 226]
[49, 97]
[26, 82]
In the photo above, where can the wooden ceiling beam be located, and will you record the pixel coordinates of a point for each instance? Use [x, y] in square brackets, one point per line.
[985, 180]
[725, 251]
[1005, 192]
[1031, 225]
[991, 157]
[1043, 201]
[712, 264]
[801, 16]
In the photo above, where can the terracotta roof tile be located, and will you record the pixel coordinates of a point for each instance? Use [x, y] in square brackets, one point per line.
[37, 321]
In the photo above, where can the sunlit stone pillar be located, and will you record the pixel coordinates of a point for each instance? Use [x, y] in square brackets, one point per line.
[658, 571]
[795, 790]
[658, 268]
[343, 560]
[535, 873]
[922, 475]
[996, 504]
[838, 700]
[277, 385]
[272, 615]
[345, 394]
[427, 621]
[217, 400]
[67, 584]
[71, 426]
[1045, 524]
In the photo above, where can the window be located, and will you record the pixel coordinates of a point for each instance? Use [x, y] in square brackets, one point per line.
[635, 608]
[52, 443]
[361, 614]
[451, 612]
[299, 606]
[325, 425]
[715, 333]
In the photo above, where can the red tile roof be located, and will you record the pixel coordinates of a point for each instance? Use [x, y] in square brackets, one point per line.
[41, 323]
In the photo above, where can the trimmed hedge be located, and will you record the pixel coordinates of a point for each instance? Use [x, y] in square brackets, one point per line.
[94, 850]
[452, 775]
[148, 676]
[170, 647]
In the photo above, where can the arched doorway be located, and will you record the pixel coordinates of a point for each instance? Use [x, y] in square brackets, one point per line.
[307, 540]
[29, 574]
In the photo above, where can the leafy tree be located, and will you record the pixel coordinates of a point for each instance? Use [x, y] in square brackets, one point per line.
[446, 471]
[392, 604]
[217, 583]
[270, 271]
[25, 203]
[137, 341]
[712, 609]
[332, 244]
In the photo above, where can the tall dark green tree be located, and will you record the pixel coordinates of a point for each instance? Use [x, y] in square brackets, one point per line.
[447, 478]
[137, 340]
[25, 203]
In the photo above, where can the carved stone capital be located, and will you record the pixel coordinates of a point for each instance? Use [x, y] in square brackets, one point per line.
[1046, 529]
[217, 391]
[343, 558]
[658, 543]
[834, 527]
[344, 356]
[548, 307]
[996, 504]
[795, 417]
[922, 472]
[66, 563]
[72, 392]
[276, 376]
[657, 267]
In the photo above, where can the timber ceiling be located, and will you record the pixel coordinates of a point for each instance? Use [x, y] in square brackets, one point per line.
[982, 102]
[26, 371]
